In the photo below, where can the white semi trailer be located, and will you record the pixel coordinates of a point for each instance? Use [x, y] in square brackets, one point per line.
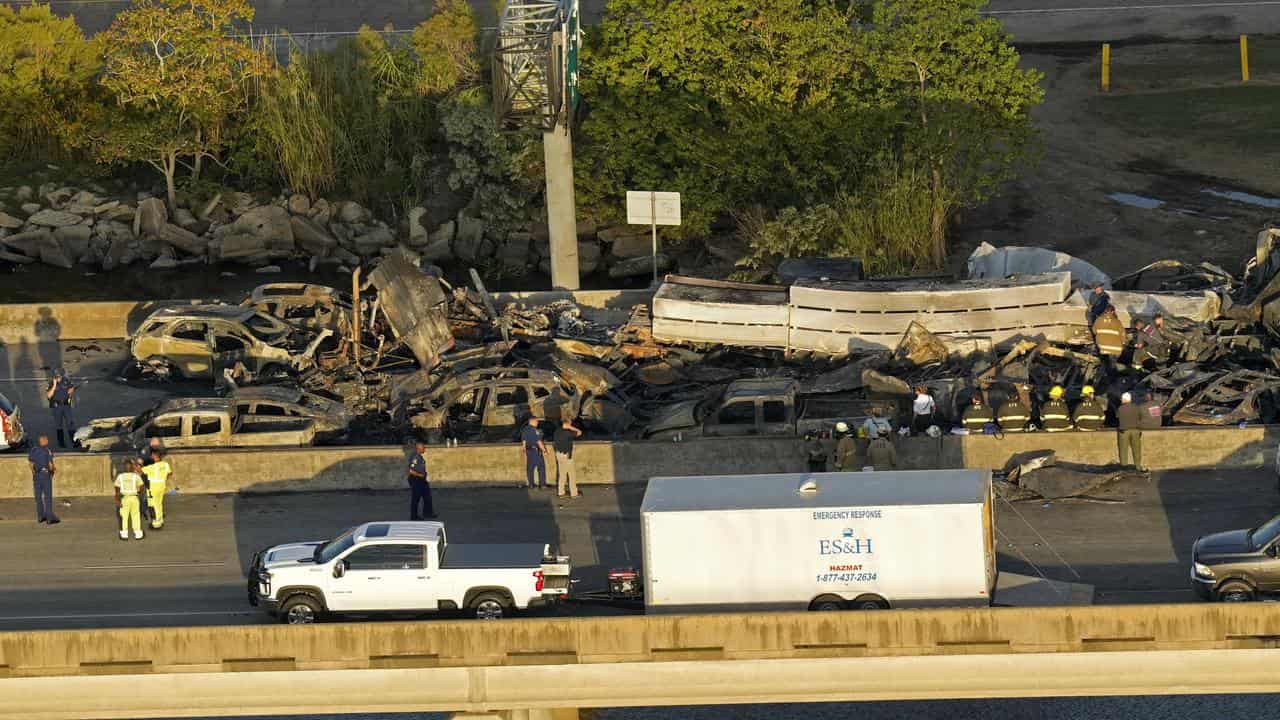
[820, 541]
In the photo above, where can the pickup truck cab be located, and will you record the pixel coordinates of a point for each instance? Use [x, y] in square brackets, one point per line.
[765, 406]
[1237, 565]
[196, 423]
[403, 567]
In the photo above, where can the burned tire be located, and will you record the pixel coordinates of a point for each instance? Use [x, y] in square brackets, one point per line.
[1236, 591]
[300, 610]
[869, 602]
[490, 606]
[827, 603]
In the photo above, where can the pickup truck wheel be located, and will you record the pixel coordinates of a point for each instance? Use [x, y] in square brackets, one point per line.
[300, 610]
[827, 603]
[1235, 591]
[870, 602]
[490, 606]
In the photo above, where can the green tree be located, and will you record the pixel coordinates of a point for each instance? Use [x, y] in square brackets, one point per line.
[179, 80]
[447, 49]
[47, 69]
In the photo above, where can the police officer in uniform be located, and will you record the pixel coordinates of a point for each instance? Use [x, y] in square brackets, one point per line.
[977, 416]
[59, 395]
[816, 450]
[1013, 414]
[419, 485]
[1054, 415]
[42, 469]
[1090, 414]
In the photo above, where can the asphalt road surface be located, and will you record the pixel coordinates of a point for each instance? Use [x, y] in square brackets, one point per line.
[1030, 21]
[79, 574]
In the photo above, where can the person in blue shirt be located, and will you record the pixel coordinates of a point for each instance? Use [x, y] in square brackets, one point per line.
[1098, 301]
[535, 455]
[59, 395]
[419, 486]
[42, 469]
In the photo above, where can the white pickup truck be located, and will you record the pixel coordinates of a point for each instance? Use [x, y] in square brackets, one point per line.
[403, 567]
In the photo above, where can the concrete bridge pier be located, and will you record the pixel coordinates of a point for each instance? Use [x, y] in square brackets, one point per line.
[534, 714]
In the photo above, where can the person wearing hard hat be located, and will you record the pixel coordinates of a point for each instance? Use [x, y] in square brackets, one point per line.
[846, 448]
[1108, 334]
[1129, 438]
[128, 487]
[1090, 414]
[1054, 415]
[977, 416]
[158, 474]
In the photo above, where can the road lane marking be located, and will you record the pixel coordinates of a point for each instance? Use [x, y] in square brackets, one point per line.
[153, 566]
[101, 616]
[1125, 8]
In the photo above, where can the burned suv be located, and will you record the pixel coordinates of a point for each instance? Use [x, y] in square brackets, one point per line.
[488, 403]
[197, 341]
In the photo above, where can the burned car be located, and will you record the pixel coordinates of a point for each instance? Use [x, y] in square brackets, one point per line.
[195, 423]
[12, 436]
[330, 418]
[302, 305]
[488, 403]
[198, 341]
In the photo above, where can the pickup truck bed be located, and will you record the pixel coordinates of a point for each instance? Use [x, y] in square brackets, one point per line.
[498, 556]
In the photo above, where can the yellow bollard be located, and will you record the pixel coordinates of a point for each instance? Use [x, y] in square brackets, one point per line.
[1106, 67]
[1244, 58]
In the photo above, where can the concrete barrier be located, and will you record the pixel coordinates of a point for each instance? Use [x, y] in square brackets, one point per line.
[267, 470]
[48, 322]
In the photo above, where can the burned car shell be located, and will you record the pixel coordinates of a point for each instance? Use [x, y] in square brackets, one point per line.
[490, 398]
[331, 418]
[196, 340]
[302, 305]
[12, 435]
[194, 422]
[1241, 396]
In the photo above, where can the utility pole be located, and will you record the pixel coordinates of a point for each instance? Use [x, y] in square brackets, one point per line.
[562, 219]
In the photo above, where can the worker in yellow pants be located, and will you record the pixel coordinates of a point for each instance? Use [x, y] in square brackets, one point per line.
[158, 473]
[128, 484]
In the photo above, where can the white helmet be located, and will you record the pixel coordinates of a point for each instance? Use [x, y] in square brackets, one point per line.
[842, 427]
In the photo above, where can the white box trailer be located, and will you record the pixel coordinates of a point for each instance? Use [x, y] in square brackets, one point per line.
[820, 541]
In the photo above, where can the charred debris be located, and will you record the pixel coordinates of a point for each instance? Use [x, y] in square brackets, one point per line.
[406, 352]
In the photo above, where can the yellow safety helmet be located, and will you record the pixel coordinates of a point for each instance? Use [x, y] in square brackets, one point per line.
[1086, 390]
[1056, 392]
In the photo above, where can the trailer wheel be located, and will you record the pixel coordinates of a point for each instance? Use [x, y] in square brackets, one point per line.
[870, 602]
[827, 603]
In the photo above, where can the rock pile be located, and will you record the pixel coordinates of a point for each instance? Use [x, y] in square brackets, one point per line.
[66, 226]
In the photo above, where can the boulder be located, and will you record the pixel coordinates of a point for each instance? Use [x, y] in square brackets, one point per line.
[439, 244]
[351, 212]
[150, 217]
[57, 198]
[268, 269]
[53, 253]
[10, 222]
[27, 243]
[418, 234]
[165, 261]
[342, 233]
[214, 204]
[184, 240]
[106, 207]
[299, 204]
[121, 213]
[183, 218]
[74, 239]
[637, 266]
[240, 203]
[588, 256]
[321, 212]
[31, 208]
[344, 256]
[54, 218]
[632, 246]
[468, 239]
[7, 256]
[514, 253]
[587, 228]
[24, 193]
[111, 231]
[241, 245]
[372, 242]
[270, 224]
[311, 236]
[609, 234]
[85, 198]
[116, 254]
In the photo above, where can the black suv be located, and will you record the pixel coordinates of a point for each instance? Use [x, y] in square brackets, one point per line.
[1237, 565]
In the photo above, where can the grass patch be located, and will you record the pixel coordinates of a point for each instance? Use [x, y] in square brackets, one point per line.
[1238, 119]
[1179, 65]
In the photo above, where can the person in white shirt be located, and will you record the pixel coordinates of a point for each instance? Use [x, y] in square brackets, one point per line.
[876, 425]
[923, 410]
[128, 486]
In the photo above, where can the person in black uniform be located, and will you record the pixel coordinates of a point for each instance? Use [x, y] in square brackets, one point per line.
[419, 485]
[59, 395]
[42, 469]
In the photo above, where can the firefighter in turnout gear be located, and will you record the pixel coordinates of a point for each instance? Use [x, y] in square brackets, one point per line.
[1108, 334]
[1013, 414]
[1054, 415]
[1090, 414]
[977, 416]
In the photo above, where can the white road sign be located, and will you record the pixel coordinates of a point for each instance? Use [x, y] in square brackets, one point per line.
[645, 207]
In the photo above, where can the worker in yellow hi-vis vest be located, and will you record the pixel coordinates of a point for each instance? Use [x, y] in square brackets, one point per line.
[128, 485]
[158, 474]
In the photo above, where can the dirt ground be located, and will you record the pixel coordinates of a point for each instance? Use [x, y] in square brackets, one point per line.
[1176, 128]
